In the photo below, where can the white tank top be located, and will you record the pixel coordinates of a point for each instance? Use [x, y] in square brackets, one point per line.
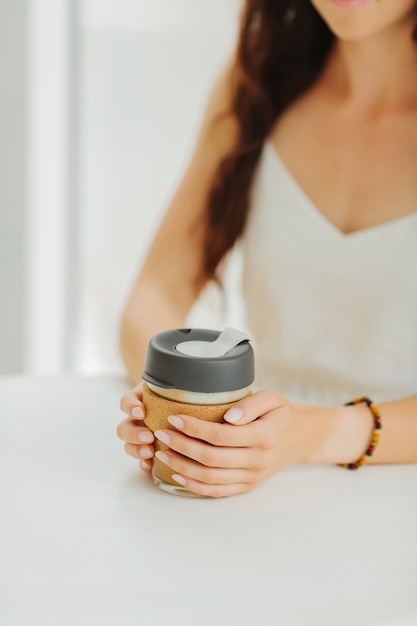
[334, 316]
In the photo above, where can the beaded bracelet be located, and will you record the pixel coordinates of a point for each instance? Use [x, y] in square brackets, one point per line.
[375, 435]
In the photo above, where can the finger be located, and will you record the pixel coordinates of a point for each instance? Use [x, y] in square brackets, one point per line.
[131, 403]
[223, 435]
[204, 453]
[208, 475]
[139, 452]
[252, 407]
[146, 465]
[132, 406]
[130, 432]
[212, 491]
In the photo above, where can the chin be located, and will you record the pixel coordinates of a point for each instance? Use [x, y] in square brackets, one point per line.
[356, 20]
[352, 30]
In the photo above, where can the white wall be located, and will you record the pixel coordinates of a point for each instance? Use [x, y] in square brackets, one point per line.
[72, 238]
[49, 212]
[12, 181]
[145, 68]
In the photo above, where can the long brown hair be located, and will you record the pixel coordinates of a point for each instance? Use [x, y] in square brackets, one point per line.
[281, 49]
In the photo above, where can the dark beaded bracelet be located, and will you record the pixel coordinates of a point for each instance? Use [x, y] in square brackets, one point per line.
[375, 435]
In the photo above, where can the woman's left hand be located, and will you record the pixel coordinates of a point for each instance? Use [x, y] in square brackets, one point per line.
[264, 434]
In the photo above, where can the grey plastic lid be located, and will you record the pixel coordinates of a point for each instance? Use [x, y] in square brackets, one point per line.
[166, 367]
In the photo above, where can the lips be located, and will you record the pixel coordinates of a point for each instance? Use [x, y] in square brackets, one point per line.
[350, 4]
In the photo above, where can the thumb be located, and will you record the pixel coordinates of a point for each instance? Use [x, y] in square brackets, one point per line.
[252, 407]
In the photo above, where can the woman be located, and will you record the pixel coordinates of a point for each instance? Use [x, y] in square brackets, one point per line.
[308, 155]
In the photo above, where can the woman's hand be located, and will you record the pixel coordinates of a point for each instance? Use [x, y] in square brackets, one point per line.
[265, 433]
[138, 439]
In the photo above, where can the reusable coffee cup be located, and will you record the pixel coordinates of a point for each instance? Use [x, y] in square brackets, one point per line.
[198, 372]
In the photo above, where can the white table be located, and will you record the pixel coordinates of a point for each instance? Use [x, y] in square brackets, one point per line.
[86, 539]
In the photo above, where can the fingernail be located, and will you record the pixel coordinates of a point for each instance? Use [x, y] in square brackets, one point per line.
[144, 465]
[179, 479]
[145, 437]
[164, 437]
[176, 421]
[162, 457]
[233, 415]
[138, 412]
[145, 453]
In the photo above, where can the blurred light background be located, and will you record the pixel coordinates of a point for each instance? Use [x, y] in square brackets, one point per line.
[100, 104]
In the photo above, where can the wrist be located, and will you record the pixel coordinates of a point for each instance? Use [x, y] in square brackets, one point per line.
[334, 435]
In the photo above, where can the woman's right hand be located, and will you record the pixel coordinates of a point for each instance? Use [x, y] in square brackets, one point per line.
[137, 437]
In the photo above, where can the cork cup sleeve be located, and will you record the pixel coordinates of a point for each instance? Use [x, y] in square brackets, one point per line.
[158, 409]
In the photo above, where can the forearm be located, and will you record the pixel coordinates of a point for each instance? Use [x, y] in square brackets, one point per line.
[144, 317]
[341, 435]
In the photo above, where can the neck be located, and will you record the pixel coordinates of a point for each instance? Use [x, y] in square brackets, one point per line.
[379, 72]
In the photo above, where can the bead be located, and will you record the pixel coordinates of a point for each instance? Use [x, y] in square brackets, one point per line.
[375, 435]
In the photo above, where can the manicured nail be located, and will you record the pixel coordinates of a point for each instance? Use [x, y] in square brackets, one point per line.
[164, 437]
[179, 479]
[162, 456]
[145, 453]
[145, 436]
[233, 415]
[144, 465]
[138, 412]
[176, 421]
